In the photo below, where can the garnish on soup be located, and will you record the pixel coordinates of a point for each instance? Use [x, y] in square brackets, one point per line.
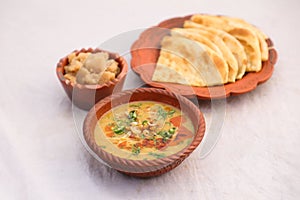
[144, 127]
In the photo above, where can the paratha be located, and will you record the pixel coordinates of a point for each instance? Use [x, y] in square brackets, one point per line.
[188, 62]
[261, 35]
[246, 36]
[199, 35]
[203, 40]
[210, 50]
[231, 42]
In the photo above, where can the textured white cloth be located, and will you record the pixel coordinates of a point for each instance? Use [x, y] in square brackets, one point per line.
[42, 157]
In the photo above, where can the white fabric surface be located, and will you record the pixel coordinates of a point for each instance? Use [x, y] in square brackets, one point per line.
[42, 157]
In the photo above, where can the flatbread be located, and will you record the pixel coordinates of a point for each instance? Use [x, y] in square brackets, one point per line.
[215, 57]
[261, 35]
[231, 42]
[246, 36]
[188, 62]
[251, 46]
[199, 35]
[203, 40]
[167, 70]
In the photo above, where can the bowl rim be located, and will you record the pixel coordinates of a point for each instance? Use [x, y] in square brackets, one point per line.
[88, 131]
[121, 60]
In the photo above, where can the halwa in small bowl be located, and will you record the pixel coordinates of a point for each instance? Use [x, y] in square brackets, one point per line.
[144, 132]
[89, 75]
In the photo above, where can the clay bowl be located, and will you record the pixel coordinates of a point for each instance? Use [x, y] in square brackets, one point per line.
[155, 166]
[85, 96]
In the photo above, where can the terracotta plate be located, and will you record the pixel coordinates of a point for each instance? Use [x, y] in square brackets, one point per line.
[145, 53]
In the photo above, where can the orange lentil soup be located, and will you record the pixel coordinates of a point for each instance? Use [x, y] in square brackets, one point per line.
[144, 130]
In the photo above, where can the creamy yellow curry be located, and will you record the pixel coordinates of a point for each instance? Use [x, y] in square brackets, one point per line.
[144, 130]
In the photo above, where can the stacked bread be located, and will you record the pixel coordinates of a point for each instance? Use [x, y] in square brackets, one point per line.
[210, 50]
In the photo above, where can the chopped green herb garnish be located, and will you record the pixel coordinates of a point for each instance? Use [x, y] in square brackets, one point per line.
[164, 134]
[136, 150]
[135, 105]
[171, 112]
[172, 130]
[145, 122]
[119, 130]
[132, 115]
[157, 155]
[167, 134]
[162, 113]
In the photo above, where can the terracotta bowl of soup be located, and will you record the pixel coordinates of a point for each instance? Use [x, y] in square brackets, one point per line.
[144, 132]
[85, 96]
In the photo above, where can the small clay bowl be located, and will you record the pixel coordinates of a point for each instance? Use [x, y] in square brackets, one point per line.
[85, 96]
[155, 166]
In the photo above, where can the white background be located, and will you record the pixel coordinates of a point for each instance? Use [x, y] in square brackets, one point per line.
[41, 155]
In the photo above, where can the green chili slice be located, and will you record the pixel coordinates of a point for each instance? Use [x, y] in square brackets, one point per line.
[136, 150]
[172, 130]
[132, 115]
[119, 130]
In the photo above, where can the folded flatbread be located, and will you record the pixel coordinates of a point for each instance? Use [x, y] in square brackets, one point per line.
[203, 40]
[231, 42]
[247, 37]
[261, 35]
[189, 62]
[200, 34]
